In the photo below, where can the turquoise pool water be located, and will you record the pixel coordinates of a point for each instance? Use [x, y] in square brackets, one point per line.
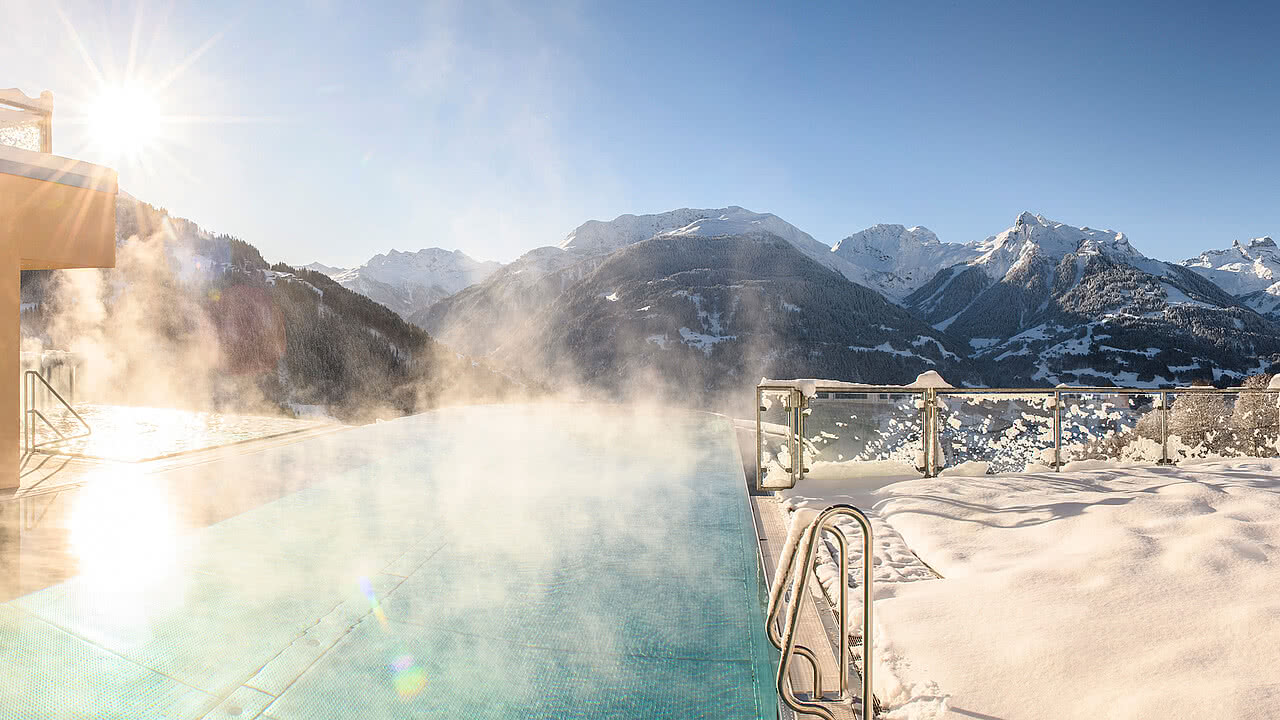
[488, 562]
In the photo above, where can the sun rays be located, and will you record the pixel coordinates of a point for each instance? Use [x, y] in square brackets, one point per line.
[137, 115]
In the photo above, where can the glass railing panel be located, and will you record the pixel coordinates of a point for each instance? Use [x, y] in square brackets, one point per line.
[1115, 427]
[776, 441]
[1217, 424]
[995, 432]
[21, 129]
[849, 433]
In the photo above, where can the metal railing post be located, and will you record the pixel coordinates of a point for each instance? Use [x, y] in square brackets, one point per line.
[935, 436]
[1164, 428]
[844, 607]
[924, 432]
[1057, 430]
[793, 442]
[759, 439]
[802, 403]
[931, 440]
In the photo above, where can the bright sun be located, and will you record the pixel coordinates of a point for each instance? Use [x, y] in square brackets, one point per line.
[124, 120]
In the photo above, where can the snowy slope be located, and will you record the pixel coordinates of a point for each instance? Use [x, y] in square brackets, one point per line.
[606, 236]
[737, 221]
[896, 260]
[600, 236]
[408, 282]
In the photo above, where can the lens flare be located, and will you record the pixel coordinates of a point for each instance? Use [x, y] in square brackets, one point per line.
[407, 677]
[366, 588]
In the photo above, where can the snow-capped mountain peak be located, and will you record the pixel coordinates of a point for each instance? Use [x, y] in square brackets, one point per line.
[408, 281]
[1261, 244]
[1035, 236]
[596, 237]
[448, 270]
[323, 269]
[610, 235]
[1248, 270]
[734, 220]
[896, 260]
[607, 236]
[882, 240]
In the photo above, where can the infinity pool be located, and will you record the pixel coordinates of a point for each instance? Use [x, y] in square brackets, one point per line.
[489, 562]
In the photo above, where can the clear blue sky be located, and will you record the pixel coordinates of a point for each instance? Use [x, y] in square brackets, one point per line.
[331, 130]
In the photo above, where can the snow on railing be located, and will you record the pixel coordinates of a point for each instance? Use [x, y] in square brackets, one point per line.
[807, 427]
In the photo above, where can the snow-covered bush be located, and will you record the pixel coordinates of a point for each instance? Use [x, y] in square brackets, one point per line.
[1255, 420]
[1198, 424]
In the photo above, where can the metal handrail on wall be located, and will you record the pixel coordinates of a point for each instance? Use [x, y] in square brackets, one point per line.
[797, 406]
[32, 381]
[806, 550]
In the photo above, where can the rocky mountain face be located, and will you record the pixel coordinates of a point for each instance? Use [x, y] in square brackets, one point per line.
[1047, 303]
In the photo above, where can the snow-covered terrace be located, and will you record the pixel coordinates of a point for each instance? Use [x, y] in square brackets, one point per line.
[1137, 592]
[1108, 588]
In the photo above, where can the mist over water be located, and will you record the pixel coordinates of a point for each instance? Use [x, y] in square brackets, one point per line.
[584, 558]
[189, 319]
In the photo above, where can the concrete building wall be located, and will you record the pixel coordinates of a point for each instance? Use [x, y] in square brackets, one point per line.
[10, 340]
[54, 213]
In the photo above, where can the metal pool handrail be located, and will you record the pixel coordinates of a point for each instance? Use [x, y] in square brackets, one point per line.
[30, 411]
[776, 591]
[787, 643]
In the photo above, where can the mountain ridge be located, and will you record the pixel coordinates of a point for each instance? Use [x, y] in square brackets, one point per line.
[410, 281]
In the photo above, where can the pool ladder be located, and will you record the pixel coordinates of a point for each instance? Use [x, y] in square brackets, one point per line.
[31, 382]
[820, 704]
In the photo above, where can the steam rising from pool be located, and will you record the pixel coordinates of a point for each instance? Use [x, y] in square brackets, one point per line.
[145, 333]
